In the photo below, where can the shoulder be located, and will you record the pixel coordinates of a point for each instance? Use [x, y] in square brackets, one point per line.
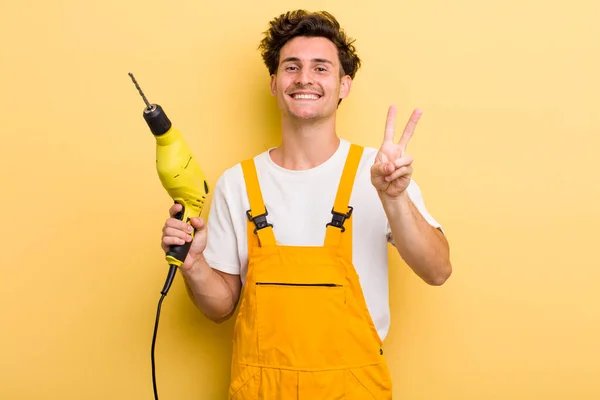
[368, 153]
[231, 180]
[366, 161]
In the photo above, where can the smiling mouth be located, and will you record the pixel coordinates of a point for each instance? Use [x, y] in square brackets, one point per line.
[305, 96]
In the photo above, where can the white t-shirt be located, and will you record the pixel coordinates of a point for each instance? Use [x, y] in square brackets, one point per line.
[299, 204]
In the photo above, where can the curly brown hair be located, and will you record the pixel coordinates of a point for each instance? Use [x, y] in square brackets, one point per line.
[311, 24]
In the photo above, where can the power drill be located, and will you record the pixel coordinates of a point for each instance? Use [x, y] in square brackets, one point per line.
[182, 178]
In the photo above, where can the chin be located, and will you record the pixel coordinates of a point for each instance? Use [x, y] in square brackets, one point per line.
[304, 115]
[308, 113]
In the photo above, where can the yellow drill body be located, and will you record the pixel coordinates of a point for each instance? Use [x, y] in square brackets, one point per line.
[179, 174]
[181, 177]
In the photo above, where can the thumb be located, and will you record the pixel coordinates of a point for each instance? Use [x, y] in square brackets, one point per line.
[198, 223]
[200, 235]
[382, 169]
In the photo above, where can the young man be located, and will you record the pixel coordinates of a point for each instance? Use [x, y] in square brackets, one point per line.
[299, 233]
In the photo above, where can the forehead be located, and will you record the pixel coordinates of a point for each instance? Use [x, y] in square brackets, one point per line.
[309, 48]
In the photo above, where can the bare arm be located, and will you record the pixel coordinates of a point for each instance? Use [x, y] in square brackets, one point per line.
[423, 247]
[215, 293]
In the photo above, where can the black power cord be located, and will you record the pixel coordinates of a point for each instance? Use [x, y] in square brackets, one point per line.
[165, 290]
[154, 345]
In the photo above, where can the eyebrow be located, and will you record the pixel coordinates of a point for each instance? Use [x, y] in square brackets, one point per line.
[296, 59]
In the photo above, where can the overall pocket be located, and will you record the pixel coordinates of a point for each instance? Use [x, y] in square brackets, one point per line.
[301, 324]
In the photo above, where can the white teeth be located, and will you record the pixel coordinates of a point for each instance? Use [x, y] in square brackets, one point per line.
[306, 96]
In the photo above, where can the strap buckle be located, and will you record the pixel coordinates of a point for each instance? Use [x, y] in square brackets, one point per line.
[260, 221]
[338, 219]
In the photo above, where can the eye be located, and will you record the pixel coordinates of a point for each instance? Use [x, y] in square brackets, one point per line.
[321, 69]
[291, 68]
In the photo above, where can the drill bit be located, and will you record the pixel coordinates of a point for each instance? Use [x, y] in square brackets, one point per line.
[140, 90]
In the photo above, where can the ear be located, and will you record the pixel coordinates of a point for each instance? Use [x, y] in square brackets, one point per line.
[273, 84]
[345, 86]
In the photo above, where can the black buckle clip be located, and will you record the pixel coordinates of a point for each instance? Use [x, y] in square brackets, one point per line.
[338, 219]
[260, 221]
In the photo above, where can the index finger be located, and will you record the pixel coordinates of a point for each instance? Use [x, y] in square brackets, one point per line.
[390, 125]
[409, 130]
[174, 209]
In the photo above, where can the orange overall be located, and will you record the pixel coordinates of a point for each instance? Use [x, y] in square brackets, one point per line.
[303, 330]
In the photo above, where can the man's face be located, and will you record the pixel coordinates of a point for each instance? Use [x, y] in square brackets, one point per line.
[307, 83]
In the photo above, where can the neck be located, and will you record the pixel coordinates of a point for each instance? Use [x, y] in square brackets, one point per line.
[305, 145]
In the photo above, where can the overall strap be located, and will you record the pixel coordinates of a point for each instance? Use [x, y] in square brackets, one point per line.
[257, 214]
[342, 211]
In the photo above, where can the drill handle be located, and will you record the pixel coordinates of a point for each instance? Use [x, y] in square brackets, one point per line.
[177, 253]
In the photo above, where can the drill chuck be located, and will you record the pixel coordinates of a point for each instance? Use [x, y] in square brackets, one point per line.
[154, 115]
[157, 119]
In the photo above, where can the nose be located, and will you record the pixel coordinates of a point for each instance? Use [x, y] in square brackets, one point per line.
[304, 78]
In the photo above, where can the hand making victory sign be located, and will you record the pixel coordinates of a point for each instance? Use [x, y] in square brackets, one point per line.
[392, 170]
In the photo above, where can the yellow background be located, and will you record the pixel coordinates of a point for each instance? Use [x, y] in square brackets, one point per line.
[505, 153]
